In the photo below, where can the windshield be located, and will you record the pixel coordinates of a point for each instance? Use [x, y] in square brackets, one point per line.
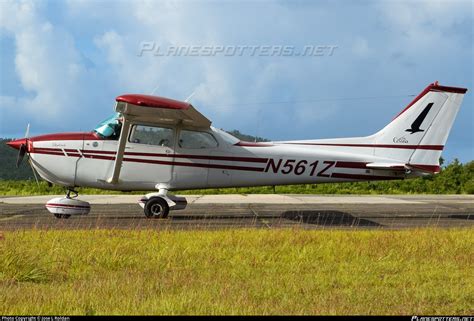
[110, 128]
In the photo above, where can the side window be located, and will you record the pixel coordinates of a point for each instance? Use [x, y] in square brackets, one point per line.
[150, 135]
[196, 140]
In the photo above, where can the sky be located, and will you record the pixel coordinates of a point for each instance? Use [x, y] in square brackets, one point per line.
[63, 63]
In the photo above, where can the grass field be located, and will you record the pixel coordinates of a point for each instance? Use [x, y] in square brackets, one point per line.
[426, 271]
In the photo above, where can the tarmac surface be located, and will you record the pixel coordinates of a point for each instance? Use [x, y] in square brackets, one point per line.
[250, 211]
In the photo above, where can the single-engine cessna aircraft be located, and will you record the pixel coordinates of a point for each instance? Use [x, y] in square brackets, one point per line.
[155, 143]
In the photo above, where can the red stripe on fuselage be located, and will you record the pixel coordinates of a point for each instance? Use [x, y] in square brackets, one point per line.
[48, 153]
[98, 151]
[426, 168]
[220, 158]
[66, 136]
[67, 206]
[149, 161]
[217, 166]
[426, 147]
[351, 165]
[205, 157]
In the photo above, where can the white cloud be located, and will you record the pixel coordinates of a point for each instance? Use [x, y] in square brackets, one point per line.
[47, 63]
[422, 25]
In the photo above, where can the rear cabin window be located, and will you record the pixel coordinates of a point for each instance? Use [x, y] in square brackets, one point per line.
[151, 135]
[196, 140]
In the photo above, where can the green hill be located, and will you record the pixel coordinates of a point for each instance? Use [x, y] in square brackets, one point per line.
[247, 138]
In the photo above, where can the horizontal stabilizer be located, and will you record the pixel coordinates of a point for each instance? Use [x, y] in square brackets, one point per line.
[403, 167]
[388, 166]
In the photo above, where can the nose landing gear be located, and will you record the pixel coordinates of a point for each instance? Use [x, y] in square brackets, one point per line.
[64, 207]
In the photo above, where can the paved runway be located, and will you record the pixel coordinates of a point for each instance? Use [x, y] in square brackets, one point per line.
[251, 211]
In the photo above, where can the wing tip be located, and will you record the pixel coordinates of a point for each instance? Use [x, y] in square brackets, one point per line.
[152, 101]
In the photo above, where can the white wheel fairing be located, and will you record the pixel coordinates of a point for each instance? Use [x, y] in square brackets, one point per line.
[68, 206]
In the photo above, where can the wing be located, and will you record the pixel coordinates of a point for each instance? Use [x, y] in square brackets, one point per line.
[151, 109]
[160, 110]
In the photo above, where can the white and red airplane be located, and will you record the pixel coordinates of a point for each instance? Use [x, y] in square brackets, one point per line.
[155, 143]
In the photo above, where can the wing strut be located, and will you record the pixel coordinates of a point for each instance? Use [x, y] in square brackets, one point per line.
[120, 151]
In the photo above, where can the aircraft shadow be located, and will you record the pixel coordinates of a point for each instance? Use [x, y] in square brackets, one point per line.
[328, 218]
[217, 217]
[322, 218]
[181, 217]
[462, 216]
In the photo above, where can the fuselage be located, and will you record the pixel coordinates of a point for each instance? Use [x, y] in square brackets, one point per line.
[190, 159]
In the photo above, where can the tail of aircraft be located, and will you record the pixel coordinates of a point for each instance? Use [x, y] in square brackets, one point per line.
[414, 139]
[419, 132]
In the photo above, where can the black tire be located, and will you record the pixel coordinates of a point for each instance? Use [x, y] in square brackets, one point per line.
[62, 215]
[156, 207]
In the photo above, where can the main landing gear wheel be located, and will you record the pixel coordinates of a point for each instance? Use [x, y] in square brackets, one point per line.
[156, 207]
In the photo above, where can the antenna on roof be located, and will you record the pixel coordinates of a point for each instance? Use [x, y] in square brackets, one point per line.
[258, 123]
[153, 91]
[189, 97]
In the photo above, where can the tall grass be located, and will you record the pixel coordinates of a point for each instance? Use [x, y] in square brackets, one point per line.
[294, 271]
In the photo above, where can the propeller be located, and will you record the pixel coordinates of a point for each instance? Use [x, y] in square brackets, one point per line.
[21, 155]
[24, 150]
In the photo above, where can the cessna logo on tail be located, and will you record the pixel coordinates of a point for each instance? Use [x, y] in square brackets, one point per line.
[415, 126]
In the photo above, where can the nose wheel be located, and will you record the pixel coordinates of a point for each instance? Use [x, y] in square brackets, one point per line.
[65, 207]
[68, 196]
[156, 207]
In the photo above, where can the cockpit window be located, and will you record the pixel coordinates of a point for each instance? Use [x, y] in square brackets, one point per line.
[111, 127]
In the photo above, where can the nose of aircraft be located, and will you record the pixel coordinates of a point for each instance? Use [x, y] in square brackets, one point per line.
[17, 143]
